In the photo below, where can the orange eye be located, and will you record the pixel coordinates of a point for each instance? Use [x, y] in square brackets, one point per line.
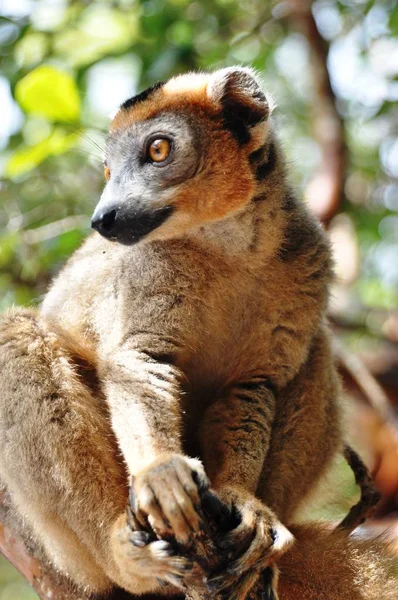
[159, 150]
[107, 172]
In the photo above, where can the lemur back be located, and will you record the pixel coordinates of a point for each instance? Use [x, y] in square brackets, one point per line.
[191, 324]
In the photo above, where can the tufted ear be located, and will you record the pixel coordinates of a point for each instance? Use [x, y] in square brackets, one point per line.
[243, 103]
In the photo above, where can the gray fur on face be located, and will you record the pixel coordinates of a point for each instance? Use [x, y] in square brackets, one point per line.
[135, 178]
[140, 189]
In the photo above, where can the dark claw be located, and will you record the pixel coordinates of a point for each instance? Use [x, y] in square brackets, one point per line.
[201, 481]
[267, 594]
[171, 550]
[141, 538]
[273, 534]
[216, 584]
[212, 585]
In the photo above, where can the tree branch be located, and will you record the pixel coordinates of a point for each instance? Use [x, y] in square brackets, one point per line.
[350, 364]
[324, 192]
[44, 581]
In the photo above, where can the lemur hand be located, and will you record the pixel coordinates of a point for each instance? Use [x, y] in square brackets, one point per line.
[253, 539]
[167, 496]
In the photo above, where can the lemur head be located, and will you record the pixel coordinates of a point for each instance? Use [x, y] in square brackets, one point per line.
[179, 155]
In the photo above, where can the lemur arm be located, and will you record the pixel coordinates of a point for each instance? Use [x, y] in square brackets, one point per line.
[143, 396]
[144, 401]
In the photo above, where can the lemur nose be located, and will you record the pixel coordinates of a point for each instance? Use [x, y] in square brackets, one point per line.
[104, 222]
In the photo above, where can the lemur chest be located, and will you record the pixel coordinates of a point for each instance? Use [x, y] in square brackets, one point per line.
[232, 335]
[233, 345]
[221, 314]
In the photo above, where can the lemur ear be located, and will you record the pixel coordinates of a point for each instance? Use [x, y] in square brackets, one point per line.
[243, 103]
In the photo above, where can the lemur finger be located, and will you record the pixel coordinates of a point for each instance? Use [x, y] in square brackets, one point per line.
[175, 506]
[270, 582]
[131, 519]
[251, 560]
[190, 486]
[148, 506]
[256, 553]
[176, 581]
[239, 539]
[188, 509]
[241, 589]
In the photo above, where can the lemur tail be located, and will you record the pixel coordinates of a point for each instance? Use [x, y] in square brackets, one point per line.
[327, 564]
[333, 565]
[366, 505]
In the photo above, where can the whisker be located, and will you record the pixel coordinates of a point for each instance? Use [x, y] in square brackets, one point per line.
[85, 135]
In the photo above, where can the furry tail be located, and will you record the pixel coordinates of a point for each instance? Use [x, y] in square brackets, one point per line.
[327, 564]
[369, 495]
[331, 565]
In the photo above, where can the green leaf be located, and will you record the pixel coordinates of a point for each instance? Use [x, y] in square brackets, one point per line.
[50, 93]
[393, 23]
[101, 31]
[28, 157]
[8, 242]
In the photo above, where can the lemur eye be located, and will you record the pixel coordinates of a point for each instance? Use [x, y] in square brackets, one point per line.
[107, 172]
[159, 150]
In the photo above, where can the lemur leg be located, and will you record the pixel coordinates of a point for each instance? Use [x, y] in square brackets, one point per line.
[263, 454]
[306, 434]
[235, 436]
[63, 471]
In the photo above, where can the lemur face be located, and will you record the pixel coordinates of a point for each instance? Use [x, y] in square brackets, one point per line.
[147, 163]
[177, 156]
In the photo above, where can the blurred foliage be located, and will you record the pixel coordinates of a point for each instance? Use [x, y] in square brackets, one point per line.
[67, 64]
[13, 586]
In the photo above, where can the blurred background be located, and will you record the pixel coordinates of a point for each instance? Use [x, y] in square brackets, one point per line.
[331, 66]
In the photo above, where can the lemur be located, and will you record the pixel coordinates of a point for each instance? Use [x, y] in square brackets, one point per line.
[183, 345]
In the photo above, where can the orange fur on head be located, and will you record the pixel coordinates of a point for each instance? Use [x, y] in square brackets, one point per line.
[226, 180]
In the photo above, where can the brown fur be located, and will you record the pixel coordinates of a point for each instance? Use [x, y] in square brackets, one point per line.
[325, 565]
[206, 339]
